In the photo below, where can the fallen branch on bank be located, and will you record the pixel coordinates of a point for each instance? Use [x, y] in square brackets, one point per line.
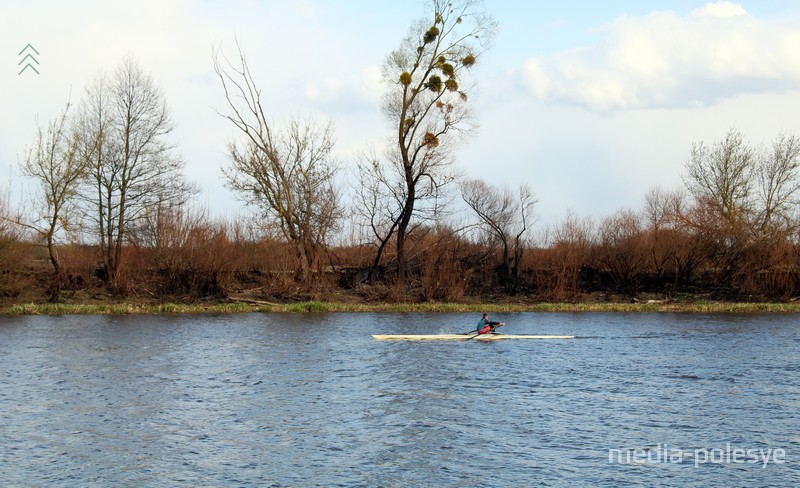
[253, 302]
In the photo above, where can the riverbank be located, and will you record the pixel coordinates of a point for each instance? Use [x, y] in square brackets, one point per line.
[127, 308]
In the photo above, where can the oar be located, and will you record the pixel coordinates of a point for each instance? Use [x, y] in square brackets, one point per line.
[495, 327]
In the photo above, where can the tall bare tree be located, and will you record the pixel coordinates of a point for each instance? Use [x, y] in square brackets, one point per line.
[125, 124]
[426, 103]
[53, 162]
[288, 174]
[506, 217]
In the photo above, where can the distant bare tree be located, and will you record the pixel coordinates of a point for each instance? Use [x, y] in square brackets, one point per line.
[506, 217]
[721, 174]
[743, 197]
[288, 175]
[53, 162]
[778, 184]
[720, 181]
[123, 139]
[656, 217]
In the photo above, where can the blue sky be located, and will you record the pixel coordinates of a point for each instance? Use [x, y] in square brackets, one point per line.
[591, 103]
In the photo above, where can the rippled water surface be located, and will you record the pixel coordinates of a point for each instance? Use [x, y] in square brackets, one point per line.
[313, 400]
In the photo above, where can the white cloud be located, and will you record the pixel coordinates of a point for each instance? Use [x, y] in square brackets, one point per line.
[720, 10]
[668, 60]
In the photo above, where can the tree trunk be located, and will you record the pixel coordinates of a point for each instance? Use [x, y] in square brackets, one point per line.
[402, 227]
[54, 291]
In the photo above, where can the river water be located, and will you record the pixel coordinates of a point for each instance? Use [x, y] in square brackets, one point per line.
[312, 400]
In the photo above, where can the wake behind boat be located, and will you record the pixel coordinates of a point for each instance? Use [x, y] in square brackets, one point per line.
[462, 337]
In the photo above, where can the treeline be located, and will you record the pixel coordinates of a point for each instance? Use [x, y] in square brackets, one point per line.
[731, 234]
[113, 212]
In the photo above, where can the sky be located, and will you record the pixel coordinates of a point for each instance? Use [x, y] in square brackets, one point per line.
[590, 103]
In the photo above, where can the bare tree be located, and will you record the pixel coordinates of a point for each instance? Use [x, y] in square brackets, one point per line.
[426, 103]
[720, 181]
[288, 175]
[778, 184]
[656, 218]
[506, 217]
[743, 197]
[379, 200]
[720, 176]
[53, 162]
[123, 138]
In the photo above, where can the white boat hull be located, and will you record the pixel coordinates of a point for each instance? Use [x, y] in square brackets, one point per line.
[463, 337]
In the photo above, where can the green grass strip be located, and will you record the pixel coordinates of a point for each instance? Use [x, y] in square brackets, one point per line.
[432, 307]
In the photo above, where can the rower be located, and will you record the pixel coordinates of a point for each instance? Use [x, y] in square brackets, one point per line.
[487, 327]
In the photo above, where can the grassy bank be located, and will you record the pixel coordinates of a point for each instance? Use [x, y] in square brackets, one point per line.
[313, 306]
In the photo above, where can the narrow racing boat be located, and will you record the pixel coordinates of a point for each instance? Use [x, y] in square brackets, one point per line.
[463, 337]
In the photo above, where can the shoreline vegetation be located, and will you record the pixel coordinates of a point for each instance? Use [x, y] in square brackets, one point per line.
[228, 307]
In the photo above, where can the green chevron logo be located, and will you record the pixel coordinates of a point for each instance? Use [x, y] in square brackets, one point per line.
[28, 59]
